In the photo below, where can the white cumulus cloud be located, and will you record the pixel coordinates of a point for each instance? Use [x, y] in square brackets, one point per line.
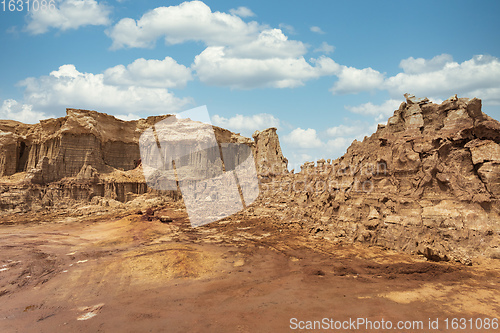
[325, 48]
[379, 112]
[189, 21]
[353, 80]
[270, 43]
[239, 55]
[421, 65]
[12, 109]
[317, 30]
[443, 77]
[242, 12]
[247, 123]
[166, 73]
[303, 138]
[214, 67]
[67, 87]
[436, 78]
[339, 144]
[68, 14]
[343, 130]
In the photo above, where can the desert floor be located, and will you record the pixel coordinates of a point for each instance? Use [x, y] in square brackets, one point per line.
[128, 274]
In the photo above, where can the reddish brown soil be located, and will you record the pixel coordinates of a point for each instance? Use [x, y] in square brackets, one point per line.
[129, 274]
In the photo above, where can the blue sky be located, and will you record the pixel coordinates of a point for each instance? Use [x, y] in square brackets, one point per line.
[323, 72]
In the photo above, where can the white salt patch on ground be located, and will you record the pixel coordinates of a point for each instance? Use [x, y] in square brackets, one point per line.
[92, 311]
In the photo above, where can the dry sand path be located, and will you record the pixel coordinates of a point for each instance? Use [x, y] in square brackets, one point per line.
[128, 274]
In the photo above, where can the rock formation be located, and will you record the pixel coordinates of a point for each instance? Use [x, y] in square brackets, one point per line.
[427, 182]
[68, 143]
[268, 155]
[87, 154]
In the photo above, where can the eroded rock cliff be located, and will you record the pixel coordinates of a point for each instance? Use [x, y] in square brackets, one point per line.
[58, 148]
[89, 154]
[268, 156]
[427, 182]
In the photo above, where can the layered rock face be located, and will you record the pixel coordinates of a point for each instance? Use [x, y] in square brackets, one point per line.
[9, 152]
[268, 155]
[58, 148]
[427, 182]
[88, 153]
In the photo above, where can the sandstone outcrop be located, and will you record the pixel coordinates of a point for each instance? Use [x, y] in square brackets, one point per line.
[89, 154]
[268, 156]
[427, 182]
[8, 153]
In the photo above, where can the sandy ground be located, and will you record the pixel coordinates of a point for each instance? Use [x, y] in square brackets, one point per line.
[128, 274]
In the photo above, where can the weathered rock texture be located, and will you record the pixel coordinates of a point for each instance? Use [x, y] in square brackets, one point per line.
[58, 148]
[268, 156]
[427, 182]
[90, 154]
